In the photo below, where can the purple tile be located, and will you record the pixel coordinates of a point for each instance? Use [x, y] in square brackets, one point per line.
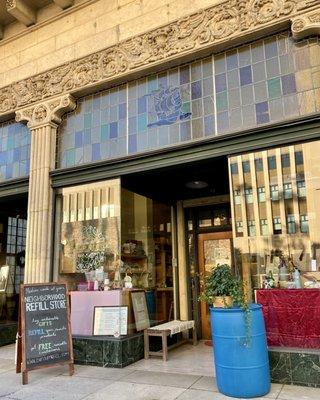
[262, 113]
[78, 139]
[122, 111]
[96, 152]
[142, 104]
[132, 143]
[196, 90]
[184, 75]
[262, 107]
[245, 75]
[113, 130]
[132, 125]
[221, 83]
[263, 118]
[288, 84]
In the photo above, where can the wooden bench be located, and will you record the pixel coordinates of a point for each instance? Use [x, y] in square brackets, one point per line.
[165, 330]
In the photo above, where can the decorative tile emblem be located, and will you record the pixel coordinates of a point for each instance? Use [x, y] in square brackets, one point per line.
[167, 104]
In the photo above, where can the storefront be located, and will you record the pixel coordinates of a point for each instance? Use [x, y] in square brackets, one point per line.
[149, 181]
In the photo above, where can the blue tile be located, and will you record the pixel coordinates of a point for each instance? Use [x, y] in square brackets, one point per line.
[288, 84]
[196, 90]
[16, 154]
[162, 80]
[262, 107]
[222, 122]
[245, 75]
[271, 48]
[132, 143]
[221, 83]
[96, 152]
[78, 139]
[209, 127]
[87, 121]
[113, 130]
[232, 60]
[96, 102]
[87, 136]
[142, 105]
[122, 110]
[185, 130]
[9, 171]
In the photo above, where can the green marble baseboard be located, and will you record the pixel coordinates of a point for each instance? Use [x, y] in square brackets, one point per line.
[8, 332]
[106, 351]
[295, 366]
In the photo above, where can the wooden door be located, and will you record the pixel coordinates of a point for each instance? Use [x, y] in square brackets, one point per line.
[213, 249]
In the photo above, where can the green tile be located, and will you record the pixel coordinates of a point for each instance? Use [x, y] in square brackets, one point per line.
[274, 88]
[222, 101]
[104, 132]
[186, 107]
[142, 122]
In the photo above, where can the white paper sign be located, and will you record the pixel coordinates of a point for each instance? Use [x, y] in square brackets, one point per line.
[110, 321]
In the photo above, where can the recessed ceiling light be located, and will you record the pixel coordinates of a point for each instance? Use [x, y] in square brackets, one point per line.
[196, 185]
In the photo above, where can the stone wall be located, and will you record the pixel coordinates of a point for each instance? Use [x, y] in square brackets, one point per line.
[89, 28]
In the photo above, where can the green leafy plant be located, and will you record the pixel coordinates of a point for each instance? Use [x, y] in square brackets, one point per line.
[222, 282]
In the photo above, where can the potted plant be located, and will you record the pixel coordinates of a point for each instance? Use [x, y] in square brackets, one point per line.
[221, 288]
[238, 336]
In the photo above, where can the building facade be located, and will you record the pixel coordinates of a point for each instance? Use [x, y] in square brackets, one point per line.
[157, 139]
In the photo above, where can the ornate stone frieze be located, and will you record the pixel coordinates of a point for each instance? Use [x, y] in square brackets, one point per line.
[208, 27]
[306, 25]
[49, 112]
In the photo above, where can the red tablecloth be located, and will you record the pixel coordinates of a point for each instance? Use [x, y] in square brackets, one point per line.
[292, 317]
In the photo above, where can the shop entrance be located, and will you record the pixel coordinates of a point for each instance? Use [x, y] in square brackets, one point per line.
[13, 230]
[213, 249]
[200, 223]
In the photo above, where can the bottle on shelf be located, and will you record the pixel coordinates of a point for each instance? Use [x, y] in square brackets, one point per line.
[297, 278]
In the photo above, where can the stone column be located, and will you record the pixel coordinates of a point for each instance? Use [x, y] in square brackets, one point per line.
[43, 120]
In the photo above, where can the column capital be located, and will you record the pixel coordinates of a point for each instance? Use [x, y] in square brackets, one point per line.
[306, 25]
[46, 113]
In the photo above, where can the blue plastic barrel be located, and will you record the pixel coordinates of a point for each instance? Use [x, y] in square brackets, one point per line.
[240, 352]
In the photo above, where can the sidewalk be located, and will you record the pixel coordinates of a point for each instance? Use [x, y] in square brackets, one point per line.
[180, 378]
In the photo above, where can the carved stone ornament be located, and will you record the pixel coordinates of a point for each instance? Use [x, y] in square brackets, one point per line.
[306, 25]
[216, 25]
[49, 112]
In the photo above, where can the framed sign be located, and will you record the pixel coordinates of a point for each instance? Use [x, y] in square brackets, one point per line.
[44, 328]
[140, 310]
[110, 320]
[4, 276]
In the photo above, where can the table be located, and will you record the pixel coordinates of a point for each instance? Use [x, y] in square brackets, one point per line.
[292, 316]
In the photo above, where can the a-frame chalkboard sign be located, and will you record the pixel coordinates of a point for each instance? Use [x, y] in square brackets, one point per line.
[44, 333]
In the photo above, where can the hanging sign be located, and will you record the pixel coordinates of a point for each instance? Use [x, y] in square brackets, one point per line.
[44, 334]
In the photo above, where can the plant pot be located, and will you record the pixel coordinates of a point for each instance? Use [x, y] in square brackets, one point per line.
[240, 352]
[222, 301]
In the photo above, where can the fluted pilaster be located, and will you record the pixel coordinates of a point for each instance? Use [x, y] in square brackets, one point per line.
[43, 120]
